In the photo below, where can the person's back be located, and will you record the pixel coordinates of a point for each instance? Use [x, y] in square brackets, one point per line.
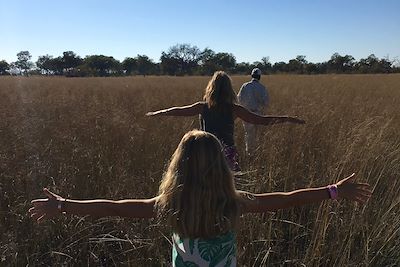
[253, 96]
[219, 122]
[199, 201]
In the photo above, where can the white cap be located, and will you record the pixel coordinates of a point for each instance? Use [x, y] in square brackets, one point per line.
[256, 71]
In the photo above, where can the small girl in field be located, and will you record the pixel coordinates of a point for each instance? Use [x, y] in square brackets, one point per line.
[218, 112]
[198, 200]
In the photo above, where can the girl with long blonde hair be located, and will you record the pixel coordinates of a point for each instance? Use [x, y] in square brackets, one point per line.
[218, 111]
[198, 200]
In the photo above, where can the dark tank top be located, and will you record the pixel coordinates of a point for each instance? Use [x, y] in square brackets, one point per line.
[219, 123]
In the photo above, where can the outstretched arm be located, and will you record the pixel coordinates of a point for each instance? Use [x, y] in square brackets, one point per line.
[54, 205]
[254, 118]
[186, 111]
[346, 189]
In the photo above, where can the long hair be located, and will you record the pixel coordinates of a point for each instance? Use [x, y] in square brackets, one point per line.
[219, 93]
[197, 195]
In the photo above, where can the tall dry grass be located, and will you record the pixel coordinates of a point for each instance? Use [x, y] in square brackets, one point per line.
[88, 138]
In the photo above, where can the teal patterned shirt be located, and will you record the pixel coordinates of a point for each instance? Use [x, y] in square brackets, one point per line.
[219, 251]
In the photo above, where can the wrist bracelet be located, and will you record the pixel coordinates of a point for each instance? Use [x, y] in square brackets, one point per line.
[333, 192]
[61, 205]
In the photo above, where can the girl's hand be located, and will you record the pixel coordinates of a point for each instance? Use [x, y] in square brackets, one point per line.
[45, 208]
[349, 189]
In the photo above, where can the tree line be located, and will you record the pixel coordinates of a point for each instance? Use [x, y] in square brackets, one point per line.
[185, 59]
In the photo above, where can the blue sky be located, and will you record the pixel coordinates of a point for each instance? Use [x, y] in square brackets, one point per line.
[280, 29]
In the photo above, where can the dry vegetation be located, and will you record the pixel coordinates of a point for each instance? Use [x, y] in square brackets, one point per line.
[88, 138]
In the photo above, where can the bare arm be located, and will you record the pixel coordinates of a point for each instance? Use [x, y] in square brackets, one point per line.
[254, 118]
[133, 208]
[186, 111]
[347, 189]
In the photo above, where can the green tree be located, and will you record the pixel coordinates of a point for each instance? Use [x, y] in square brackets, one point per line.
[169, 65]
[210, 61]
[243, 68]
[4, 67]
[341, 64]
[311, 68]
[225, 61]
[266, 66]
[57, 65]
[129, 65]
[45, 64]
[385, 65]
[207, 65]
[280, 67]
[373, 64]
[182, 58]
[100, 65]
[145, 65]
[297, 65]
[71, 61]
[23, 63]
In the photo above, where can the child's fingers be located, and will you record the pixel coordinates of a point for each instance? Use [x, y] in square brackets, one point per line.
[39, 205]
[364, 196]
[357, 199]
[34, 213]
[361, 199]
[39, 201]
[365, 191]
[37, 209]
[35, 216]
[41, 218]
[363, 185]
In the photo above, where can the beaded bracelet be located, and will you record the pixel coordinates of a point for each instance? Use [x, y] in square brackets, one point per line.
[61, 205]
[333, 192]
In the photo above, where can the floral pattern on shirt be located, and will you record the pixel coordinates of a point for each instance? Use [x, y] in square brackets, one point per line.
[214, 252]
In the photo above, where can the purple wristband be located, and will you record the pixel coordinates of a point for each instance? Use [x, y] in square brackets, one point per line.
[61, 205]
[333, 192]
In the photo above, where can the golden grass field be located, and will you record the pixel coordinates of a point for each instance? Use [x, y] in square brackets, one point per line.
[88, 138]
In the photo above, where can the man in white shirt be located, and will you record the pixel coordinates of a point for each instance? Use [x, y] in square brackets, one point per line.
[254, 96]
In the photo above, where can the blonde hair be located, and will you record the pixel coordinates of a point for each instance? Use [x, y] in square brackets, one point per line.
[197, 194]
[219, 92]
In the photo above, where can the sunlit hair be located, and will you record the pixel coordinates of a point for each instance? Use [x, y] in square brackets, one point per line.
[219, 92]
[197, 195]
